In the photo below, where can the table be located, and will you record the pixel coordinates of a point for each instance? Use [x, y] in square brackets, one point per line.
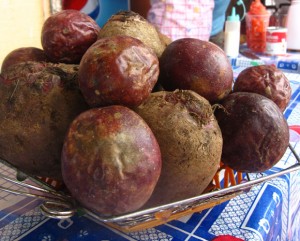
[268, 212]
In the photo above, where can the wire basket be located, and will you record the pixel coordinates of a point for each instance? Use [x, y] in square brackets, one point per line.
[58, 204]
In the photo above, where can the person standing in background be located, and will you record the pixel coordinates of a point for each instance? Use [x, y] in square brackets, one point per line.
[219, 17]
[141, 7]
[203, 19]
[182, 19]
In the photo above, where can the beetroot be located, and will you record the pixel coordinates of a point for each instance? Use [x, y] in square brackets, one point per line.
[132, 24]
[118, 70]
[190, 141]
[24, 54]
[111, 160]
[194, 64]
[266, 80]
[67, 34]
[38, 102]
[254, 130]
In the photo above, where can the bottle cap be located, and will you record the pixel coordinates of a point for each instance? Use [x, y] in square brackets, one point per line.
[233, 16]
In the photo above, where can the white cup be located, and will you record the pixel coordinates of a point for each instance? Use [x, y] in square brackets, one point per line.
[293, 20]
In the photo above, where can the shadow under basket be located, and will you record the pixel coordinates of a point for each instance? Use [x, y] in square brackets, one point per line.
[226, 184]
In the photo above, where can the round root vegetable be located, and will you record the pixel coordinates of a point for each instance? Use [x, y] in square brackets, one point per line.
[67, 34]
[165, 40]
[266, 80]
[194, 64]
[190, 141]
[255, 132]
[131, 24]
[111, 160]
[118, 70]
[24, 54]
[38, 102]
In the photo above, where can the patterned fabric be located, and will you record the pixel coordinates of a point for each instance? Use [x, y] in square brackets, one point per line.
[182, 18]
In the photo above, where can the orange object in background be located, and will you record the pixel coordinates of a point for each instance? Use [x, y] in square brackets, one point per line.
[257, 8]
[257, 22]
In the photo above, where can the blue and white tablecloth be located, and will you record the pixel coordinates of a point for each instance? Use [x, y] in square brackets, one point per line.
[270, 211]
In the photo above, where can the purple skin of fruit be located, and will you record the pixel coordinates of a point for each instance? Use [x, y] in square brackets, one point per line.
[111, 160]
[22, 55]
[193, 64]
[66, 36]
[118, 70]
[266, 80]
[254, 130]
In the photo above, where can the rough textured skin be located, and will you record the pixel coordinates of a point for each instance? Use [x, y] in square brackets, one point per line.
[190, 141]
[194, 64]
[266, 80]
[129, 23]
[254, 130]
[111, 160]
[118, 70]
[38, 102]
[66, 36]
[164, 39]
[24, 54]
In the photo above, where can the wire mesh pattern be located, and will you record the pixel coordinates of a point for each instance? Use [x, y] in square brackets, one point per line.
[59, 205]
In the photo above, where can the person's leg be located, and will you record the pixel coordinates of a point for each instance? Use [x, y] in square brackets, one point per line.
[140, 6]
[218, 39]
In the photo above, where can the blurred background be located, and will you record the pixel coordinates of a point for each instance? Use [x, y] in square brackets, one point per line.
[21, 21]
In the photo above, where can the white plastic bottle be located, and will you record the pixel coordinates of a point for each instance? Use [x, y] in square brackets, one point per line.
[293, 21]
[232, 34]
